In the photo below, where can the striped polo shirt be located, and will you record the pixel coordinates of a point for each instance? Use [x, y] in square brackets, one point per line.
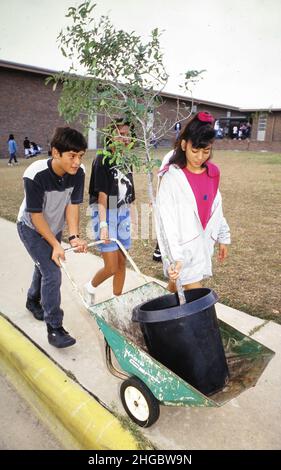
[49, 193]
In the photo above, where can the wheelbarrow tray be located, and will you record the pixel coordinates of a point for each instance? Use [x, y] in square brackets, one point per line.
[246, 357]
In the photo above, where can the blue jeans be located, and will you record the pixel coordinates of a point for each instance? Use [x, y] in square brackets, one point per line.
[46, 281]
[13, 157]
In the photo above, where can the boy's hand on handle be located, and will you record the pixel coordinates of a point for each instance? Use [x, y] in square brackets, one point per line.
[104, 235]
[58, 253]
[80, 245]
[222, 254]
[174, 270]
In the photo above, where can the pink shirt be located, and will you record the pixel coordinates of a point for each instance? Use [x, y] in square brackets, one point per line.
[204, 186]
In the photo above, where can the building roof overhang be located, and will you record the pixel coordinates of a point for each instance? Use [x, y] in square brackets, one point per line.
[197, 101]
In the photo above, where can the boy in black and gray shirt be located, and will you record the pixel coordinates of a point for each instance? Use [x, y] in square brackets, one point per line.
[53, 191]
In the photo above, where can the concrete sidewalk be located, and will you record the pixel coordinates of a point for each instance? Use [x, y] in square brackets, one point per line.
[251, 421]
[21, 416]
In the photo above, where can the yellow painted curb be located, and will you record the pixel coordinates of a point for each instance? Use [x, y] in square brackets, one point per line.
[90, 424]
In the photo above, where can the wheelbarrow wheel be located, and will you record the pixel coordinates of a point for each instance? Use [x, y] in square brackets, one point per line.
[139, 403]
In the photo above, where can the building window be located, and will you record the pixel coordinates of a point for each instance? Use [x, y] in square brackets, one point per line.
[228, 114]
[262, 126]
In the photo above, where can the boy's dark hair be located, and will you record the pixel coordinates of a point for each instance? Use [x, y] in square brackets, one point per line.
[66, 139]
[11, 137]
[200, 131]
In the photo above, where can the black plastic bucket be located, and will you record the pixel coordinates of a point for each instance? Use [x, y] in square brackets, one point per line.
[186, 338]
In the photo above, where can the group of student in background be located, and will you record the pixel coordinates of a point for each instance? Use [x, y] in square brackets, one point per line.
[236, 132]
[31, 149]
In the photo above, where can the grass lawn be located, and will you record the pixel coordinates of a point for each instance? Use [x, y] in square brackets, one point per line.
[250, 280]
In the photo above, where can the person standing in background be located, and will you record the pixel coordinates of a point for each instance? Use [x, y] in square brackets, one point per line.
[12, 147]
[177, 129]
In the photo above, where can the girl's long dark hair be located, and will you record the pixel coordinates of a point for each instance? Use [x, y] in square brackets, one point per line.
[200, 131]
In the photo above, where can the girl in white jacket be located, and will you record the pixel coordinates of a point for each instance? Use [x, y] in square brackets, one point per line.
[190, 206]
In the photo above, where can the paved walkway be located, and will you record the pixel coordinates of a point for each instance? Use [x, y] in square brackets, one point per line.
[251, 421]
[20, 428]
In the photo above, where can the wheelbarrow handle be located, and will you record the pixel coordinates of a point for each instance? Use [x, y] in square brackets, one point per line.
[122, 248]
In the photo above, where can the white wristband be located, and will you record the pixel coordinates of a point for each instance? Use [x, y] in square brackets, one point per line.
[103, 224]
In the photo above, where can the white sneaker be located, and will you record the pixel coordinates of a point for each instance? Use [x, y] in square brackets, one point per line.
[89, 294]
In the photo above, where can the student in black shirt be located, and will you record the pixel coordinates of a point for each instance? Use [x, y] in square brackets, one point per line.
[111, 194]
[27, 148]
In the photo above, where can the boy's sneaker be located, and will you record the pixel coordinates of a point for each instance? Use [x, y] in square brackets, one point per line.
[59, 338]
[89, 294]
[157, 255]
[35, 307]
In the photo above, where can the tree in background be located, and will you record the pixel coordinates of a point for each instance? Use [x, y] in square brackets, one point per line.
[122, 76]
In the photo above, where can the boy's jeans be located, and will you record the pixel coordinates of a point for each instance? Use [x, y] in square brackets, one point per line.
[46, 279]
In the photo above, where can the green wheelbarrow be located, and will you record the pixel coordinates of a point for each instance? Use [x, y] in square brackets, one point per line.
[146, 383]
